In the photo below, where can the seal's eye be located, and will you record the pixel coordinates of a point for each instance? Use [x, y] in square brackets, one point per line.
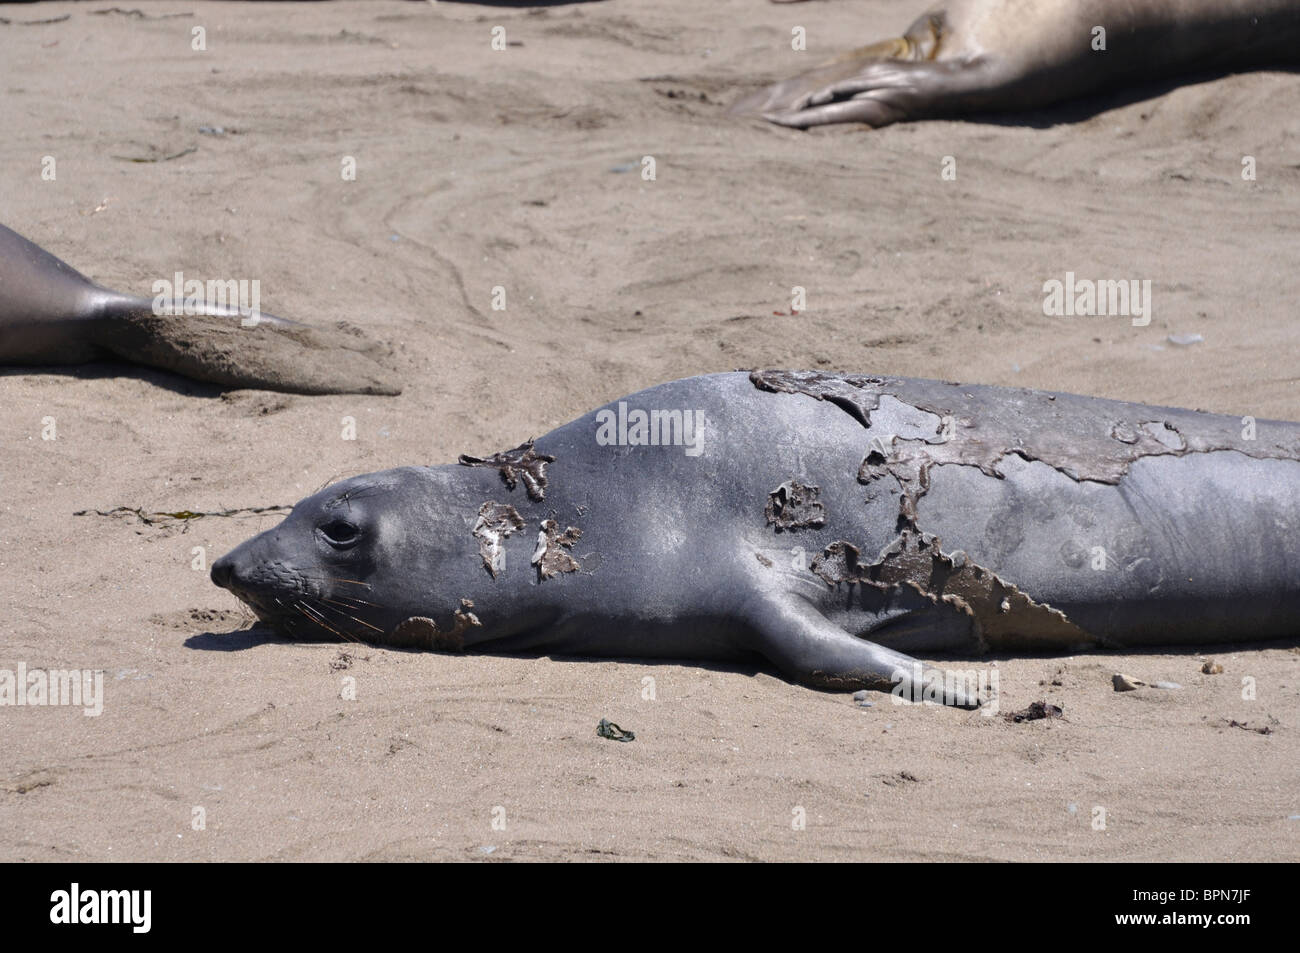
[340, 533]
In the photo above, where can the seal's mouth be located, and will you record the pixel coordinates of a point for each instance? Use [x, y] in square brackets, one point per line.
[286, 601]
[274, 608]
[302, 616]
[269, 609]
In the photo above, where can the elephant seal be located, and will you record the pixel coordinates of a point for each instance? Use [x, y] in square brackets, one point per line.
[966, 56]
[831, 525]
[52, 314]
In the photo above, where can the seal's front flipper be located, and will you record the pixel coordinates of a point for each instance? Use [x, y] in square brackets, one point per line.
[234, 350]
[888, 82]
[791, 96]
[811, 649]
[872, 91]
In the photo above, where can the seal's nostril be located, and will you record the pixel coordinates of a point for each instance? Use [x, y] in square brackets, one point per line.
[221, 573]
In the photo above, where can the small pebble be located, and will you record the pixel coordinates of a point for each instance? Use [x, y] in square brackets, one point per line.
[1127, 683]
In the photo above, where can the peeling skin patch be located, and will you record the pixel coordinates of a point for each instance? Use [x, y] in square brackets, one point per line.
[521, 463]
[496, 522]
[859, 395]
[1005, 617]
[421, 632]
[1086, 438]
[1157, 430]
[550, 557]
[794, 505]
[839, 562]
[910, 471]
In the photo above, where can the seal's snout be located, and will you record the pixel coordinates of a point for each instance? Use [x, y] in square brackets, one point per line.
[269, 589]
[223, 570]
[242, 566]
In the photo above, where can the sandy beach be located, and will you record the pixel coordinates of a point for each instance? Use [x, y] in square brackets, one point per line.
[522, 169]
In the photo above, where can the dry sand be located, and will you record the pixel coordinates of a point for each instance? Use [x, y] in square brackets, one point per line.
[478, 168]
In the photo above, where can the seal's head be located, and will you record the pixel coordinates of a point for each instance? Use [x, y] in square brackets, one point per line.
[351, 563]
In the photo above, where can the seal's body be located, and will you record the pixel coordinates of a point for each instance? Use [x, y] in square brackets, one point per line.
[50, 313]
[965, 56]
[828, 524]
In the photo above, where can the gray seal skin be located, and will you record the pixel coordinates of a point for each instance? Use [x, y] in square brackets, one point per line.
[965, 56]
[831, 525]
[50, 313]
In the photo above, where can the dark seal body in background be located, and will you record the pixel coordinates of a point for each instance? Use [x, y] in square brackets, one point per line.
[51, 314]
[967, 56]
[832, 525]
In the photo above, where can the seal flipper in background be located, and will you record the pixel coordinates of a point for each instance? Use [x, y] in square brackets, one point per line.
[52, 314]
[967, 56]
[808, 648]
[880, 84]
